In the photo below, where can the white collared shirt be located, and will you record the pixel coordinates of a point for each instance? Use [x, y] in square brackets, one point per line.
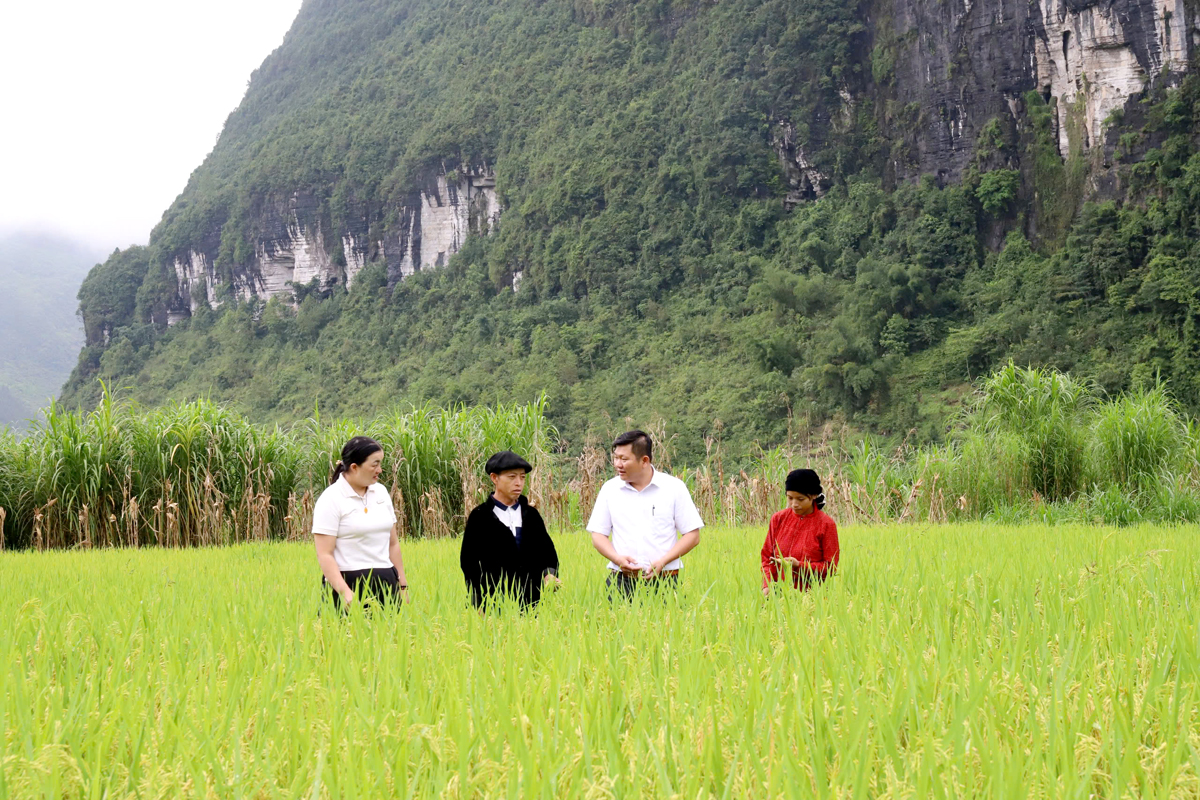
[644, 525]
[361, 523]
[509, 515]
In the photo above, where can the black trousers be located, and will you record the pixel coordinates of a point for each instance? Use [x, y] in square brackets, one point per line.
[372, 586]
[626, 586]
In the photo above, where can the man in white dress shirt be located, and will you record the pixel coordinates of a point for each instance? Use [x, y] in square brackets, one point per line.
[644, 520]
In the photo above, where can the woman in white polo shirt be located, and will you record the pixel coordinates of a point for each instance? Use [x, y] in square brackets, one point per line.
[354, 525]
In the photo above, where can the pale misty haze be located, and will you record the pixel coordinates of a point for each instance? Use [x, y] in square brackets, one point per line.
[113, 104]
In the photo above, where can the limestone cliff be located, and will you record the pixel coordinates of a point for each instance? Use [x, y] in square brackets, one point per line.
[950, 67]
[296, 249]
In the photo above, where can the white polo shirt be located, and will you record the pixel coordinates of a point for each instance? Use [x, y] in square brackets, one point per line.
[644, 525]
[361, 523]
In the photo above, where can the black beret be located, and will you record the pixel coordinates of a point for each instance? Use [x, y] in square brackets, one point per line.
[804, 481]
[504, 461]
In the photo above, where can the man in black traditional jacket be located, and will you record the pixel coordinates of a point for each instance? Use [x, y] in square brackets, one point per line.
[505, 547]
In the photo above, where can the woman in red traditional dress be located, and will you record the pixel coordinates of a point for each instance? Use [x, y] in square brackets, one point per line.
[802, 538]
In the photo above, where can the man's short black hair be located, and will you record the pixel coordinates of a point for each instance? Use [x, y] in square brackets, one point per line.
[639, 442]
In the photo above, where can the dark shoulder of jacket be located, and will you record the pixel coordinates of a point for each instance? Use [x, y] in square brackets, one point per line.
[478, 516]
[483, 508]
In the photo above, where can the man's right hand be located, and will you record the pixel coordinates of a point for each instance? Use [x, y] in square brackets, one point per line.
[348, 597]
[626, 564]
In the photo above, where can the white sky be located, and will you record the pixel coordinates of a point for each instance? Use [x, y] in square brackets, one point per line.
[108, 105]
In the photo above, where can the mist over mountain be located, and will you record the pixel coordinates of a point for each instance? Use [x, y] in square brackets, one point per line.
[746, 218]
[41, 332]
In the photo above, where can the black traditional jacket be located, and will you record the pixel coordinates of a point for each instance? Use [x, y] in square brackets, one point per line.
[493, 562]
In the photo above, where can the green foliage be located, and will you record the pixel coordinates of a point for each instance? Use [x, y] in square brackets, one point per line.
[435, 456]
[1037, 445]
[997, 190]
[1059, 177]
[991, 139]
[108, 296]
[195, 473]
[1139, 437]
[1044, 410]
[988, 470]
[631, 145]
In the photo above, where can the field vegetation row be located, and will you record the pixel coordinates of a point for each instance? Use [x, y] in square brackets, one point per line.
[970, 660]
[1033, 445]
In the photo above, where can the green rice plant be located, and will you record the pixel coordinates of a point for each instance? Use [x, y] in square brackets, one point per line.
[1137, 439]
[1066, 666]
[1009, 513]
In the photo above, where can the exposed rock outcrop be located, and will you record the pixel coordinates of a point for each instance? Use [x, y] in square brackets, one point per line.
[805, 181]
[296, 249]
[1092, 57]
[435, 223]
[960, 63]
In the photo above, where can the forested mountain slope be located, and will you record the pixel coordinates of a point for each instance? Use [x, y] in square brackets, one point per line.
[736, 216]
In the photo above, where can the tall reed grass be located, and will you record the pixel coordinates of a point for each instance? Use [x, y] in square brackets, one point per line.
[1034, 445]
[1041, 410]
[196, 473]
[1140, 438]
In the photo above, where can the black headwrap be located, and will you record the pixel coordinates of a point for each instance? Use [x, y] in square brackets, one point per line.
[806, 481]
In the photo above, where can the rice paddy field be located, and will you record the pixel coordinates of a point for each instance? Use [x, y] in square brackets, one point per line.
[965, 660]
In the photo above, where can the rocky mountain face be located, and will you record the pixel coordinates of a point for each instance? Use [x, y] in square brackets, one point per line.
[295, 251]
[940, 71]
[956, 65]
